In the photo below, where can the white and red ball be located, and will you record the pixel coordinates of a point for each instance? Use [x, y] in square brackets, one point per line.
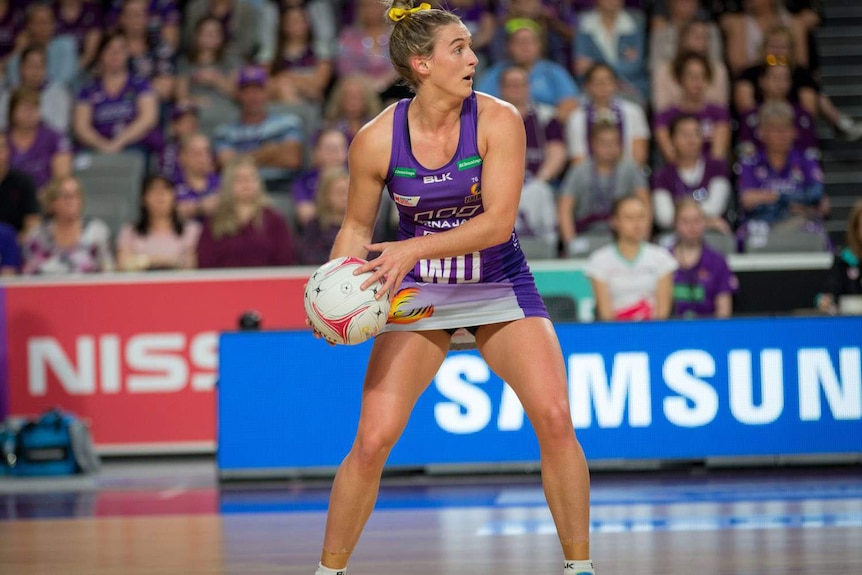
[338, 309]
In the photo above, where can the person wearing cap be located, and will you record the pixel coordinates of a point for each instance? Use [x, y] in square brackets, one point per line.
[550, 83]
[274, 141]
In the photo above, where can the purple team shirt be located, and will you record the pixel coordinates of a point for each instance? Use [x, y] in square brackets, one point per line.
[709, 116]
[185, 193]
[537, 137]
[305, 187]
[696, 288]
[36, 161]
[800, 180]
[806, 133]
[89, 18]
[113, 113]
[667, 178]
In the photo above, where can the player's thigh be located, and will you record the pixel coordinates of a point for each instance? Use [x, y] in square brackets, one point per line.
[526, 354]
[400, 367]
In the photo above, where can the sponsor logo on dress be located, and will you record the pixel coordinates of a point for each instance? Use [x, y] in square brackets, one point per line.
[404, 172]
[410, 201]
[468, 163]
[436, 179]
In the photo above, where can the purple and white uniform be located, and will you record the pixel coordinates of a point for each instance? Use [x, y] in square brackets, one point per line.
[36, 160]
[488, 286]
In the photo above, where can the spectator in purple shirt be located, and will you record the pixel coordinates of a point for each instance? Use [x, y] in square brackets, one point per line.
[302, 68]
[184, 122]
[163, 19]
[151, 57]
[781, 191]
[693, 175]
[82, 21]
[693, 73]
[330, 151]
[775, 83]
[116, 111]
[197, 182]
[240, 19]
[34, 148]
[244, 231]
[703, 285]
[318, 236]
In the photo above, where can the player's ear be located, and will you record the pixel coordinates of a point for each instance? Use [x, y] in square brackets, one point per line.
[421, 65]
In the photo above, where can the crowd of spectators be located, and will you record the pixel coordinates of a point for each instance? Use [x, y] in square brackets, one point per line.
[703, 111]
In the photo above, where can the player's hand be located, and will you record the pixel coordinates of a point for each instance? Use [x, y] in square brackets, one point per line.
[395, 261]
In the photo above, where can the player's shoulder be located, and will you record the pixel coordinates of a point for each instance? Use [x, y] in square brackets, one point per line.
[376, 135]
[492, 109]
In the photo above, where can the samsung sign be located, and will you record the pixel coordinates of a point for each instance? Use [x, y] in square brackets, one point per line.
[657, 390]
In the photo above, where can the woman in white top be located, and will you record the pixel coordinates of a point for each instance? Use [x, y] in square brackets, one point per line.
[632, 279]
[603, 105]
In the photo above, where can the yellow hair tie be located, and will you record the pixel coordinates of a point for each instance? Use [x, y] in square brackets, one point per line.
[398, 14]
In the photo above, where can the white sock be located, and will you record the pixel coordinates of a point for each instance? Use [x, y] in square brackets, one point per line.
[578, 567]
[321, 570]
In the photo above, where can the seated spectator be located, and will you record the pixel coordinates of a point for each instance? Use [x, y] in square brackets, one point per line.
[55, 100]
[34, 148]
[151, 57]
[745, 33]
[10, 253]
[666, 33]
[163, 19]
[558, 21]
[115, 110]
[321, 16]
[83, 21]
[666, 91]
[317, 237]
[183, 122]
[274, 141]
[631, 279]
[478, 16]
[550, 83]
[616, 37]
[703, 285]
[330, 151]
[39, 32]
[604, 106]
[590, 189]
[160, 239]
[19, 206]
[545, 161]
[363, 48]
[207, 75]
[302, 68]
[11, 22]
[775, 84]
[240, 22]
[692, 175]
[781, 191]
[67, 242]
[693, 74]
[197, 182]
[778, 48]
[844, 277]
[352, 103]
[244, 231]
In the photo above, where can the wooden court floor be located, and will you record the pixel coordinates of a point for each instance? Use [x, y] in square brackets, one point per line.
[773, 522]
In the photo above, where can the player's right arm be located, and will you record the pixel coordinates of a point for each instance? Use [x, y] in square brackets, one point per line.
[368, 161]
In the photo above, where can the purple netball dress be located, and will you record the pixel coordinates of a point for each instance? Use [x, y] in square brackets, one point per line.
[489, 286]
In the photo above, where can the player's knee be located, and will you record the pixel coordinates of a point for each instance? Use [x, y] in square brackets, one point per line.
[554, 424]
[372, 448]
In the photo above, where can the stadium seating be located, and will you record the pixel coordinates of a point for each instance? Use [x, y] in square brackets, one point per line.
[112, 185]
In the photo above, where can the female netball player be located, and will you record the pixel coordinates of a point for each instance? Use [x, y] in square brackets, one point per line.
[453, 162]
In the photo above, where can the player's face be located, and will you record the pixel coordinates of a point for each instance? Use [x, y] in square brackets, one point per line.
[690, 224]
[687, 139]
[453, 61]
[631, 221]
